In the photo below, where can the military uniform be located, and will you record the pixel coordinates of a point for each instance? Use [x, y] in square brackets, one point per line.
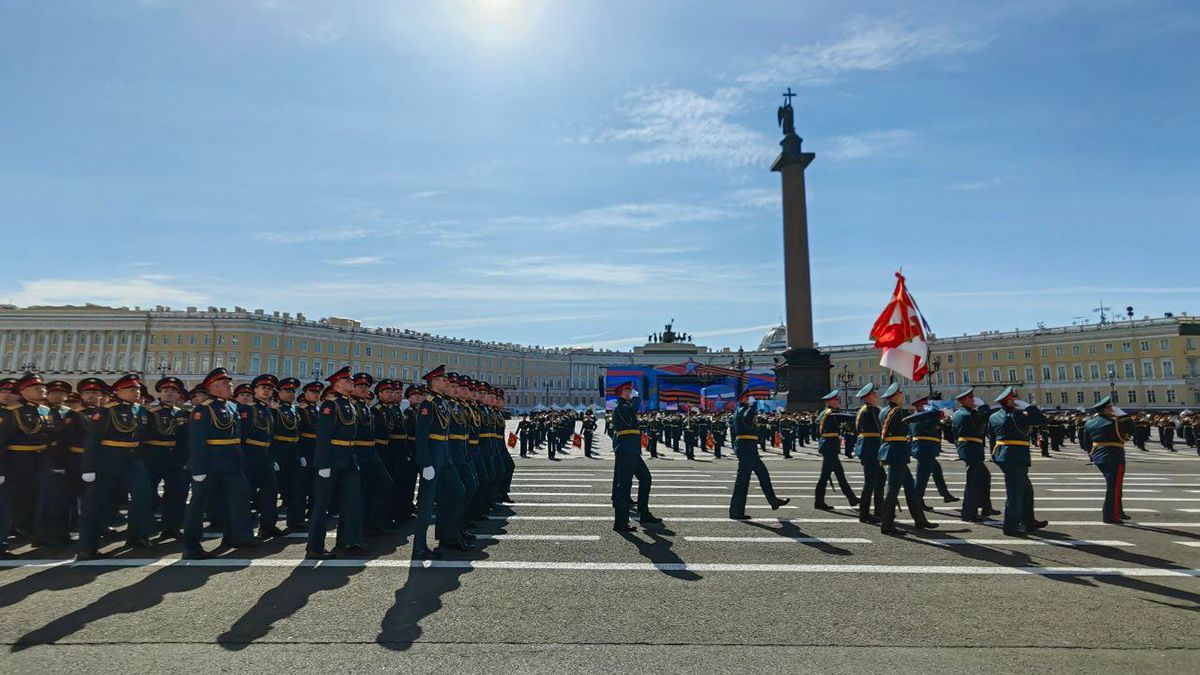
[337, 469]
[746, 436]
[375, 482]
[257, 422]
[303, 476]
[926, 445]
[440, 483]
[1108, 434]
[589, 431]
[866, 448]
[285, 442]
[970, 433]
[27, 431]
[165, 450]
[829, 447]
[894, 455]
[627, 451]
[1010, 428]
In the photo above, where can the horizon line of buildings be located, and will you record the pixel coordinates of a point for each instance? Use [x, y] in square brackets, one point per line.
[1153, 363]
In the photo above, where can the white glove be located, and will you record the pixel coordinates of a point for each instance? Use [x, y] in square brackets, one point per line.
[276, 466]
[324, 473]
[303, 462]
[1, 480]
[428, 473]
[946, 414]
[58, 471]
[1021, 405]
[405, 405]
[199, 478]
[978, 402]
[1118, 412]
[89, 477]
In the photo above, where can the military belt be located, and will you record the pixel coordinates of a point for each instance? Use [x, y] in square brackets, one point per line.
[307, 435]
[223, 441]
[1107, 444]
[258, 443]
[26, 448]
[161, 444]
[437, 437]
[926, 438]
[398, 437]
[473, 442]
[364, 444]
[869, 434]
[381, 441]
[76, 450]
[341, 442]
[628, 432]
[970, 438]
[1022, 444]
[746, 437]
[457, 437]
[829, 435]
[894, 439]
[287, 439]
[117, 444]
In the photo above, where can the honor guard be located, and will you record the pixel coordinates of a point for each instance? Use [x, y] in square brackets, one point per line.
[970, 428]
[389, 438]
[926, 445]
[376, 483]
[439, 483]
[113, 466]
[336, 465]
[1010, 427]
[866, 448]
[408, 473]
[894, 455]
[828, 422]
[745, 446]
[258, 432]
[1108, 430]
[27, 432]
[460, 461]
[627, 451]
[589, 431]
[52, 512]
[285, 439]
[165, 451]
[215, 465]
[300, 500]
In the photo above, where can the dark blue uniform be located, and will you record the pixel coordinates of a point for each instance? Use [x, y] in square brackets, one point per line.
[432, 424]
[258, 431]
[627, 450]
[926, 445]
[300, 498]
[829, 446]
[26, 432]
[214, 452]
[1010, 427]
[337, 433]
[1108, 435]
[970, 433]
[165, 450]
[113, 455]
[894, 455]
[376, 481]
[745, 445]
[285, 441]
[866, 448]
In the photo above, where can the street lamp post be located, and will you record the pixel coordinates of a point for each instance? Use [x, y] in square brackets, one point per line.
[845, 378]
[935, 365]
[1112, 383]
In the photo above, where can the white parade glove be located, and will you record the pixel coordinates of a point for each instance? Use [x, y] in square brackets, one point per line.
[946, 414]
[58, 471]
[979, 402]
[303, 462]
[324, 473]
[89, 477]
[199, 478]
[428, 473]
[1021, 405]
[1, 480]
[1118, 412]
[405, 405]
[276, 466]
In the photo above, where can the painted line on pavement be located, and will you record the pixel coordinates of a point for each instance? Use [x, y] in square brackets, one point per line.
[785, 540]
[1193, 544]
[391, 563]
[1024, 542]
[848, 521]
[539, 537]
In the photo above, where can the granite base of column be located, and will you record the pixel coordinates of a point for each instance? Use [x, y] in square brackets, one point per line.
[805, 374]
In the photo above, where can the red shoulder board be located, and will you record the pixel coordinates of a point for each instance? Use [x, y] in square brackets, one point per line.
[326, 411]
[95, 417]
[196, 415]
[244, 415]
[424, 411]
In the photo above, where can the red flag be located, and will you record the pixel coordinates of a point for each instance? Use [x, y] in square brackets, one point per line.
[903, 335]
[512, 440]
[577, 441]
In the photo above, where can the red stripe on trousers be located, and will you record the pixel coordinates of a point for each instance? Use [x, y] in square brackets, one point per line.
[1117, 496]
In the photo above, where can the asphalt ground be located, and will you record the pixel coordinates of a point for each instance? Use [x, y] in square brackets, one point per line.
[553, 589]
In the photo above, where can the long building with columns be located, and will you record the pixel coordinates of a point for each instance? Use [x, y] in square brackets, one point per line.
[1147, 362]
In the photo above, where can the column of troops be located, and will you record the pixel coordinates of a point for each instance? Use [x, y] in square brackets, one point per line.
[178, 462]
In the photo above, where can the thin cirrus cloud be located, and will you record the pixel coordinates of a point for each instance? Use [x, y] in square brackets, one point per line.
[358, 261]
[679, 125]
[314, 235]
[144, 291]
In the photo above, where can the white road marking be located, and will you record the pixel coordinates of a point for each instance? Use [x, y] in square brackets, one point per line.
[1039, 509]
[948, 521]
[391, 563]
[785, 540]
[540, 537]
[1026, 542]
[656, 505]
[1193, 544]
[1098, 490]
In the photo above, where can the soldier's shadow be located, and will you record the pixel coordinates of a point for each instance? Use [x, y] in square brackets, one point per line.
[136, 597]
[789, 530]
[58, 578]
[660, 551]
[990, 555]
[421, 594]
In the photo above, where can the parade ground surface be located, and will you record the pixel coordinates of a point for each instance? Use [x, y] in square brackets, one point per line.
[554, 589]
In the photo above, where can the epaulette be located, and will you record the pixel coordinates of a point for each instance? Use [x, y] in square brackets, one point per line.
[12, 406]
[112, 404]
[154, 407]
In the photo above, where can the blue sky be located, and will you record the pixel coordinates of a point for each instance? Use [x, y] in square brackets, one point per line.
[562, 173]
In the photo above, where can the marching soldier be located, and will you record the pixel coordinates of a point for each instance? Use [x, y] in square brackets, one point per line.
[829, 447]
[390, 440]
[926, 446]
[746, 442]
[524, 432]
[461, 461]
[627, 451]
[439, 483]
[1108, 429]
[653, 426]
[26, 433]
[258, 431]
[50, 522]
[215, 465]
[285, 441]
[376, 483]
[303, 477]
[866, 448]
[1010, 426]
[112, 465]
[407, 472]
[894, 454]
[689, 435]
[165, 451]
[337, 469]
[970, 431]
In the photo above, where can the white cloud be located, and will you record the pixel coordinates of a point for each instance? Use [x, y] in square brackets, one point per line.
[308, 236]
[975, 185]
[682, 125]
[141, 291]
[760, 199]
[863, 45]
[871, 144]
[358, 261]
[425, 194]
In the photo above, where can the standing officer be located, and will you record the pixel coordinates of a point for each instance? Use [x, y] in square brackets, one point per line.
[407, 472]
[165, 451]
[745, 446]
[653, 426]
[1108, 429]
[51, 514]
[524, 431]
[828, 422]
[461, 462]
[303, 476]
[389, 439]
[689, 435]
[258, 432]
[439, 483]
[926, 445]
[589, 431]
[970, 429]
[27, 432]
[866, 448]
[376, 482]
[336, 465]
[112, 466]
[894, 455]
[627, 451]
[215, 465]
[284, 441]
[1010, 426]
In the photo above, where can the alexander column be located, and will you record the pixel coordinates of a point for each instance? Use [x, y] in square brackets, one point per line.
[804, 371]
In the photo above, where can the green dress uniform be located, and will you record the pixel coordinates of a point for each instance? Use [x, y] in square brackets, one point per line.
[894, 456]
[970, 434]
[165, 452]
[215, 465]
[926, 445]
[1108, 434]
[336, 465]
[284, 446]
[113, 460]
[258, 431]
[627, 450]
[829, 447]
[866, 448]
[374, 482]
[746, 435]
[1010, 427]
[461, 465]
[445, 488]
[303, 476]
[26, 431]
